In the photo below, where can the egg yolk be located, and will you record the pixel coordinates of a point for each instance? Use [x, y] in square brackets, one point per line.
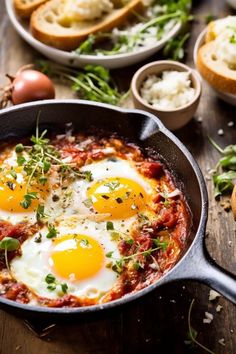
[119, 197]
[76, 257]
[13, 189]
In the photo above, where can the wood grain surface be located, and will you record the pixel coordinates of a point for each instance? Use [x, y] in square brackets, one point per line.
[158, 323]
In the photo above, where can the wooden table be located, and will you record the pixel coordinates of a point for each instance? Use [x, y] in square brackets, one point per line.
[157, 324]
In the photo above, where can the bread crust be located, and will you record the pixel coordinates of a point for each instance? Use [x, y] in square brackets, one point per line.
[25, 10]
[71, 41]
[215, 71]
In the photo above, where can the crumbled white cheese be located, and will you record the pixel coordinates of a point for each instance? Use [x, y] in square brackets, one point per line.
[220, 132]
[84, 10]
[219, 308]
[170, 91]
[199, 119]
[221, 341]
[213, 295]
[209, 317]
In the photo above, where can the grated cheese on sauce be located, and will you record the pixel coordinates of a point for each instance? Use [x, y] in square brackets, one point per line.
[170, 91]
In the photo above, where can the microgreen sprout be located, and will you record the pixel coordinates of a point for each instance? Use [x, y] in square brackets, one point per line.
[118, 263]
[9, 244]
[52, 232]
[192, 333]
[52, 283]
[37, 161]
[93, 82]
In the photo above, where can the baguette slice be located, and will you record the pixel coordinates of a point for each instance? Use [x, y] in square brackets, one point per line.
[24, 8]
[46, 27]
[215, 71]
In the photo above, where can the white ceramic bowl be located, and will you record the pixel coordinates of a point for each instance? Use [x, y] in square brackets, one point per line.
[227, 97]
[75, 60]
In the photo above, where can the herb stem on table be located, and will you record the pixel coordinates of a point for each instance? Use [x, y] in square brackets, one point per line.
[192, 333]
[93, 82]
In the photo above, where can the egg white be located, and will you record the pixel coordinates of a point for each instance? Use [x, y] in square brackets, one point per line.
[33, 265]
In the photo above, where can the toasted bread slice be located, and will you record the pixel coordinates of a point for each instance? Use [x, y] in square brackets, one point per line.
[214, 70]
[24, 8]
[46, 26]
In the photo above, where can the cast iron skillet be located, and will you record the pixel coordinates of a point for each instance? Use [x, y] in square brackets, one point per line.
[148, 132]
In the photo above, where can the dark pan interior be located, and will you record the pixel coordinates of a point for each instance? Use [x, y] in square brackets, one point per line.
[135, 126]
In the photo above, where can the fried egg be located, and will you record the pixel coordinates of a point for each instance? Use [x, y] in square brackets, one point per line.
[77, 257]
[117, 191]
[13, 187]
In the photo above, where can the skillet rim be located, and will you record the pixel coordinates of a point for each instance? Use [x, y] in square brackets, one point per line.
[170, 275]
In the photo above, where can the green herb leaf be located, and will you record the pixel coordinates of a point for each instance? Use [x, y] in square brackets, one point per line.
[84, 243]
[109, 225]
[161, 244]
[40, 213]
[64, 288]
[109, 254]
[13, 173]
[136, 265]
[26, 202]
[52, 232]
[19, 148]
[49, 279]
[9, 244]
[88, 176]
[20, 160]
[129, 241]
[87, 46]
[43, 180]
[51, 287]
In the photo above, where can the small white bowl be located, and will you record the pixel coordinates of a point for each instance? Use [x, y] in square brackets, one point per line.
[175, 118]
[227, 97]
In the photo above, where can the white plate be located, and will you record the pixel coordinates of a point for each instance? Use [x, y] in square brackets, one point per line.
[69, 58]
[227, 97]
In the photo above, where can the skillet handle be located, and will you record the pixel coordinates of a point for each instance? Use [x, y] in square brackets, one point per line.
[200, 267]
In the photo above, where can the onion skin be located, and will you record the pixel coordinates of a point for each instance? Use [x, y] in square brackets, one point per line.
[233, 202]
[31, 85]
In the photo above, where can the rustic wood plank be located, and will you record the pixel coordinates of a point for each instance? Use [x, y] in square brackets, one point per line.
[157, 323]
